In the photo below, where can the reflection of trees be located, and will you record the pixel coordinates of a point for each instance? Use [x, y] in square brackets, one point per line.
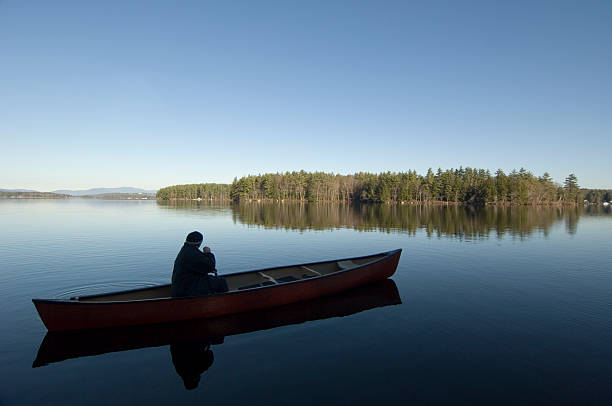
[435, 220]
[596, 210]
[571, 219]
[457, 221]
[193, 204]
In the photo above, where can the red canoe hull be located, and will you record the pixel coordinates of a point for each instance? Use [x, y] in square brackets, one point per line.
[72, 315]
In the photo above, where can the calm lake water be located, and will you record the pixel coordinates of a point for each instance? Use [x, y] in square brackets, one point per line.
[498, 305]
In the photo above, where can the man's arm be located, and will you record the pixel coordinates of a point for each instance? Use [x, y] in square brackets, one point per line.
[205, 262]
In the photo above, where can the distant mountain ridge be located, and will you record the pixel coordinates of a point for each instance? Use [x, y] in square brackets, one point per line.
[19, 190]
[99, 191]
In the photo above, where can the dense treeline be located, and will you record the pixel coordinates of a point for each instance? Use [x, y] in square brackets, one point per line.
[597, 196]
[204, 191]
[456, 186]
[463, 185]
[119, 196]
[33, 195]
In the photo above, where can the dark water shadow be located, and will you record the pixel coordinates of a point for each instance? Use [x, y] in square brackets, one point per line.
[190, 341]
[191, 360]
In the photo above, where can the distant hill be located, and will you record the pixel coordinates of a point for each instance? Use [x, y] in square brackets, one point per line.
[19, 190]
[100, 191]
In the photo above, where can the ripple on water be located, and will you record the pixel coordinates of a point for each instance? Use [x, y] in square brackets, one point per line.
[105, 287]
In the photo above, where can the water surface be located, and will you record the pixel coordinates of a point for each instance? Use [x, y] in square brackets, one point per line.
[498, 305]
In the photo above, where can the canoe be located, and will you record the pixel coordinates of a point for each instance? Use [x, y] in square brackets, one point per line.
[58, 346]
[248, 290]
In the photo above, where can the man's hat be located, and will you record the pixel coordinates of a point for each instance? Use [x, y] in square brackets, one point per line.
[194, 238]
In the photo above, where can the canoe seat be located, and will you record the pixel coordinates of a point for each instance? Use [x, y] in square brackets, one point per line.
[311, 270]
[257, 285]
[287, 279]
[346, 264]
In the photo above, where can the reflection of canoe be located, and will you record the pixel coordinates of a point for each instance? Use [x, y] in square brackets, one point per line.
[59, 346]
[249, 290]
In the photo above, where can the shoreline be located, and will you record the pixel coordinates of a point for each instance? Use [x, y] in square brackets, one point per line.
[390, 203]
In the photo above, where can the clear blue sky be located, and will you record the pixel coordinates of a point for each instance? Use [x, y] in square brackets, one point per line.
[150, 94]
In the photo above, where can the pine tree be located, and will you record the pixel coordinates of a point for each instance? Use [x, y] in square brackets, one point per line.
[571, 188]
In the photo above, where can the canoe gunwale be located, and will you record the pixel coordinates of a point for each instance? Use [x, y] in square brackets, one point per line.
[385, 255]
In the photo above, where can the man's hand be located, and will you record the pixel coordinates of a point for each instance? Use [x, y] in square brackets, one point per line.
[206, 250]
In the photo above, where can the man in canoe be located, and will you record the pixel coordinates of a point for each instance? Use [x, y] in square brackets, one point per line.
[192, 267]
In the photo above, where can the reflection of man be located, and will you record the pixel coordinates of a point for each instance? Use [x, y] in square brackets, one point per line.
[191, 268]
[190, 361]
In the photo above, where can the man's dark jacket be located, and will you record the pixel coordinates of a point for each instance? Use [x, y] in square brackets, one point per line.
[190, 275]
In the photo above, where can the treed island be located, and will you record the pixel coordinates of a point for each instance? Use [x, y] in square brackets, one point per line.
[468, 186]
